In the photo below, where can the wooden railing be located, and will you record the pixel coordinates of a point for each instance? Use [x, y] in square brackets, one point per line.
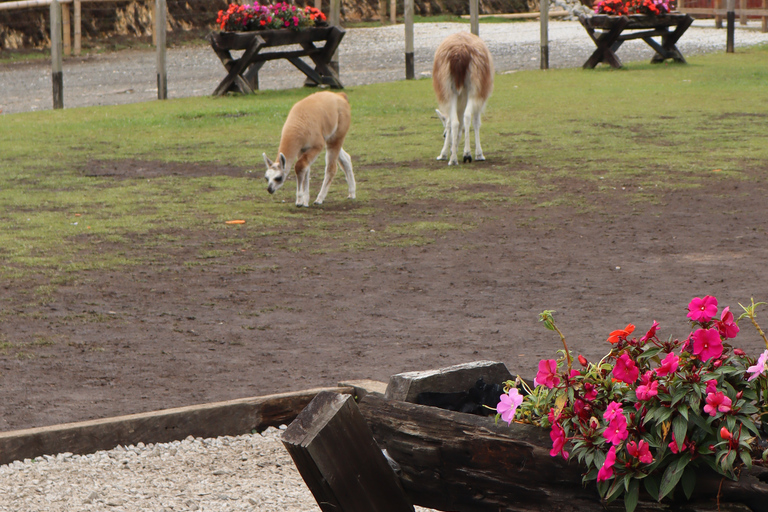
[718, 10]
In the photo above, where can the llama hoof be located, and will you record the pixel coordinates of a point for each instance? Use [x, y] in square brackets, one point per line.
[480, 158]
[441, 157]
[453, 162]
[467, 158]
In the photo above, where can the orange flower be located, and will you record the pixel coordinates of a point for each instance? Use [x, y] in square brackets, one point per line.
[615, 336]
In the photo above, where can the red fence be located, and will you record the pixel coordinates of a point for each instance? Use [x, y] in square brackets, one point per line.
[744, 10]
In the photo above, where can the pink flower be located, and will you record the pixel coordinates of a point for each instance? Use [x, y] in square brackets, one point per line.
[647, 389]
[508, 404]
[625, 369]
[726, 325]
[759, 367]
[711, 386]
[606, 471]
[717, 402]
[616, 431]
[557, 434]
[547, 375]
[707, 344]
[673, 445]
[668, 365]
[702, 310]
[590, 393]
[651, 332]
[614, 409]
[640, 451]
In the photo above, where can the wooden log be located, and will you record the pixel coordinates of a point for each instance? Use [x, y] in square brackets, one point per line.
[459, 462]
[233, 417]
[407, 386]
[335, 453]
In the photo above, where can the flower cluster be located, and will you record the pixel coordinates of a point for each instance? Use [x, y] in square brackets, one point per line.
[273, 16]
[651, 411]
[624, 7]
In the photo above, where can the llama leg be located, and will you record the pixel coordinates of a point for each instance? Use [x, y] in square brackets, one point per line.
[346, 165]
[331, 161]
[300, 173]
[446, 136]
[455, 131]
[476, 123]
[467, 121]
[305, 198]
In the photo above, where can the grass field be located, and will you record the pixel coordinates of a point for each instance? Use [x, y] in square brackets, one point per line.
[655, 126]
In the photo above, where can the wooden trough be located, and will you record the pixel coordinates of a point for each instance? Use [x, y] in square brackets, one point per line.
[460, 462]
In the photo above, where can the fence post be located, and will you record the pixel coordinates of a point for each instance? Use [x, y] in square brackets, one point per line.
[408, 14]
[66, 29]
[162, 76]
[334, 19]
[731, 25]
[765, 18]
[57, 76]
[544, 17]
[474, 19]
[718, 17]
[319, 5]
[78, 23]
[743, 16]
[393, 11]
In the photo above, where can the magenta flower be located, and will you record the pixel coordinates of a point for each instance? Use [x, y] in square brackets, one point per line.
[508, 404]
[759, 367]
[640, 451]
[702, 310]
[717, 402]
[557, 434]
[711, 386]
[614, 409]
[726, 326]
[647, 388]
[616, 431]
[651, 332]
[707, 344]
[625, 369]
[606, 471]
[547, 374]
[673, 445]
[590, 393]
[668, 365]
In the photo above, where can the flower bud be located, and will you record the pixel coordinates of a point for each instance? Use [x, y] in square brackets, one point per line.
[739, 352]
[725, 434]
[739, 395]
[582, 360]
[718, 363]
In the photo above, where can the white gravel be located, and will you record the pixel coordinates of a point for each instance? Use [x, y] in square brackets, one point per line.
[248, 473]
[366, 55]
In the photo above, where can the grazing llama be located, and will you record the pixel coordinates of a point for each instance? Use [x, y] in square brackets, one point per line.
[462, 76]
[319, 121]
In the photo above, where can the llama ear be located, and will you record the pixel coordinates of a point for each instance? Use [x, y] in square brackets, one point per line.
[282, 162]
[267, 160]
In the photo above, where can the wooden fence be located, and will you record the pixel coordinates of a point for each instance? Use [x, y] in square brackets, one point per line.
[717, 9]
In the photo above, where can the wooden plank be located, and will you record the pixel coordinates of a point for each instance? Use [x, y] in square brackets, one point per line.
[364, 386]
[407, 386]
[335, 453]
[465, 463]
[232, 417]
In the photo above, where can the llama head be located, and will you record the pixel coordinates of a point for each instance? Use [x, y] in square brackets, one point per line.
[276, 174]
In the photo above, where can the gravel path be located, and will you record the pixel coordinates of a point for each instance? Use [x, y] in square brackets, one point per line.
[366, 55]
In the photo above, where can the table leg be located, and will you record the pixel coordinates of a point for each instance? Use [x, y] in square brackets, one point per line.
[668, 49]
[606, 42]
[322, 60]
[237, 68]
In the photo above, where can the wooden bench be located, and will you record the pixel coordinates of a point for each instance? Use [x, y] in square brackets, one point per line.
[614, 30]
[243, 73]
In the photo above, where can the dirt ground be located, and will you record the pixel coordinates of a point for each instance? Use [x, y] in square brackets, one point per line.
[171, 335]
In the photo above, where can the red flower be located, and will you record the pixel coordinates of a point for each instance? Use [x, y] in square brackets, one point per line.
[620, 334]
[640, 451]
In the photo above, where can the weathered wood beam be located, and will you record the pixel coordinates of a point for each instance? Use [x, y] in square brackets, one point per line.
[459, 462]
[233, 417]
[335, 453]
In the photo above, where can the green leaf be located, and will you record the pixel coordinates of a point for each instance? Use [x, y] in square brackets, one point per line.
[630, 498]
[652, 485]
[746, 459]
[683, 410]
[680, 429]
[672, 475]
[688, 481]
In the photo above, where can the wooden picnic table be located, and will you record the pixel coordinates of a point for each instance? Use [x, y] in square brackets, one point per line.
[243, 73]
[614, 30]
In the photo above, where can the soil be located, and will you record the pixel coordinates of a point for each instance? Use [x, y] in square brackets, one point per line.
[167, 335]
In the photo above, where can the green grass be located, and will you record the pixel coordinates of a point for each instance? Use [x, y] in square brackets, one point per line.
[646, 128]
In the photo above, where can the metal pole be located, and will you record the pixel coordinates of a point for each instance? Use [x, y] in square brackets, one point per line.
[544, 15]
[57, 76]
[408, 12]
[162, 74]
[731, 15]
[474, 21]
